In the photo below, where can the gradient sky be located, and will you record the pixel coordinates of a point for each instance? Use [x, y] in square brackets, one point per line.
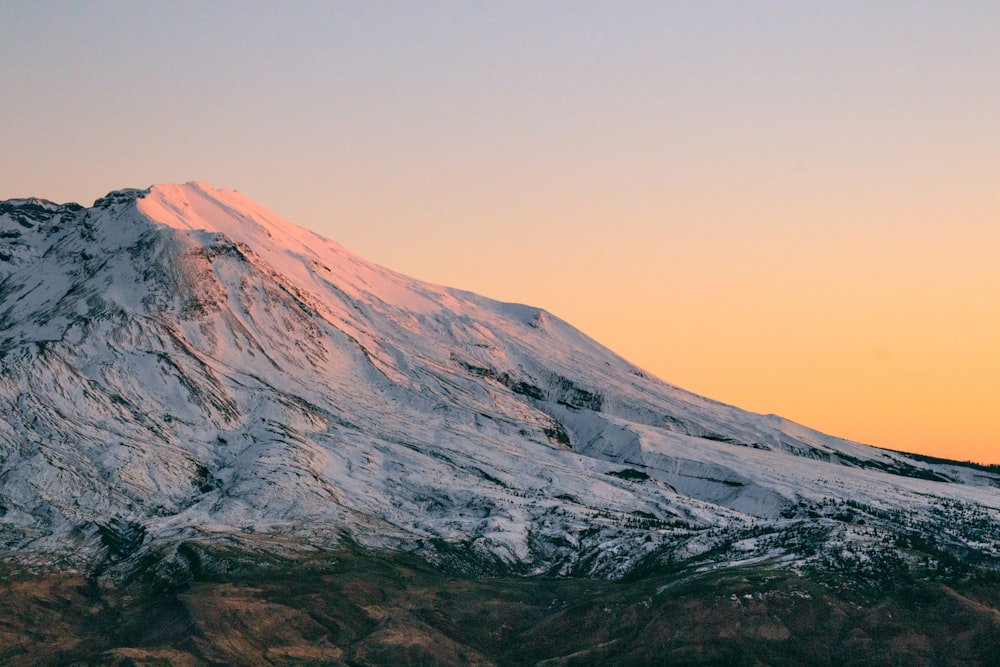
[793, 207]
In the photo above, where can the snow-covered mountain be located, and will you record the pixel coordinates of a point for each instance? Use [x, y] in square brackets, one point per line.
[180, 362]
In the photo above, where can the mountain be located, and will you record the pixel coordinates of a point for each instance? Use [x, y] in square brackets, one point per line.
[226, 439]
[179, 362]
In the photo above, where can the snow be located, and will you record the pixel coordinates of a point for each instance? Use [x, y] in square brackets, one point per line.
[181, 358]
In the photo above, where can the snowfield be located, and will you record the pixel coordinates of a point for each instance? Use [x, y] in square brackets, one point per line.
[180, 362]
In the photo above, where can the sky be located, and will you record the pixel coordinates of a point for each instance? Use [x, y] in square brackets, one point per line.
[792, 207]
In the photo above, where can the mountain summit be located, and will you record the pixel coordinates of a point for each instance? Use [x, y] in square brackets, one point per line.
[179, 363]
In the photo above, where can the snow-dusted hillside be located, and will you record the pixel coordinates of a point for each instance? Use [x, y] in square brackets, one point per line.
[178, 361]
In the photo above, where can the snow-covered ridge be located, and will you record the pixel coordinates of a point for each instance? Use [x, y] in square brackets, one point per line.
[178, 360]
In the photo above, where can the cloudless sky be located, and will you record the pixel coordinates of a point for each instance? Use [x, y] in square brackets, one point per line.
[792, 206]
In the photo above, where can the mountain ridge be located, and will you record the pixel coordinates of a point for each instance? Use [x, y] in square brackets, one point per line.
[180, 362]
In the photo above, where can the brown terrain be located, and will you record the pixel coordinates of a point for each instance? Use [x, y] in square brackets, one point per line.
[354, 607]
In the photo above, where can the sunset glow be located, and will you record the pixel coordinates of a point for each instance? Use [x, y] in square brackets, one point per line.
[790, 207]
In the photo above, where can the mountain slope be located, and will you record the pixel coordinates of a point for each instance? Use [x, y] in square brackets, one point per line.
[179, 362]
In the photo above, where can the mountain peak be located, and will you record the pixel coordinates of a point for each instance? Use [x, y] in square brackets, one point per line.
[196, 206]
[179, 360]
[33, 202]
[118, 197]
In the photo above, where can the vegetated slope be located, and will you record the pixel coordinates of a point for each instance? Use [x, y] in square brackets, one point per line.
[180, 363]
[360, 607]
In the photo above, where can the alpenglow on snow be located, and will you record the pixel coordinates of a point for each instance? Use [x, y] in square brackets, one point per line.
[178, 362]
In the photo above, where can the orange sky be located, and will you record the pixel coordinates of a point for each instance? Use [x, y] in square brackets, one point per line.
[792, 207]
[868, 319]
